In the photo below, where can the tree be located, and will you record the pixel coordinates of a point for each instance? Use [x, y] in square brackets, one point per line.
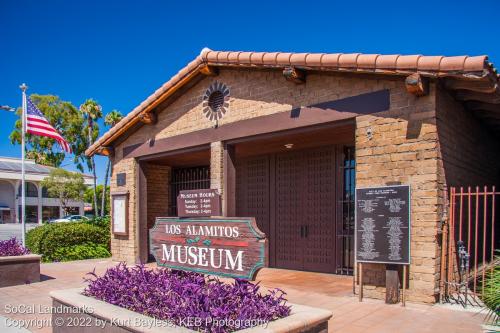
[64, 117]
[92, 111]
[111, 120]
[88, 197]
[65, 185]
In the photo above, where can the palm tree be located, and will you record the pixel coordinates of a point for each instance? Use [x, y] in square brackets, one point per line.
[111, 120]
[92, 111]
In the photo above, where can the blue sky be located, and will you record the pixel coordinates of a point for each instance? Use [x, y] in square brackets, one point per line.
[119, 52]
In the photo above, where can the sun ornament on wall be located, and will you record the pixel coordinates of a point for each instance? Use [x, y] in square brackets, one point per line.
[216, 101]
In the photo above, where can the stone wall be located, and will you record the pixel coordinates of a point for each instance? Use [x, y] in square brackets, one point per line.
[399, 145]
[254, 93]
[158, 199]
[216, 167]
[123, 248]
[396, 145]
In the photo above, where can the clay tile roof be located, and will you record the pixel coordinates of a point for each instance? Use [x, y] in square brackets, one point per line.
[314, 59]
[386, 62]
[330, 60]
[407, 62]
[367, 61]
[282, 59]
[429, 63]
[299, 59]
[453, 63]
[476, 67]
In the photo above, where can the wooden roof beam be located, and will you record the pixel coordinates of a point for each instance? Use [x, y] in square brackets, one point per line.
[148, 118]
[417, 85]
[484, 85]
[209, 70]
[467, 95]
[106, 151]
[294, 74]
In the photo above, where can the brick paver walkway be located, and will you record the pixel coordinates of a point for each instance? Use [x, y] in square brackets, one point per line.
[314, 289]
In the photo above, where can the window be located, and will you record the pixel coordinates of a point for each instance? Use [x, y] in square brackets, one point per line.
[45, 193]
[31, 214]
[31, 190]
[72, 210]
[50, 212]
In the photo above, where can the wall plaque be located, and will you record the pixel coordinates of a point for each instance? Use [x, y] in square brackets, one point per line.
[199, 203]
[119, 213]
[121, 179]
[383, 224]
[230, 247]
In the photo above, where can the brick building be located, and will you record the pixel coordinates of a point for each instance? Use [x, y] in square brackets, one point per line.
[287, 137]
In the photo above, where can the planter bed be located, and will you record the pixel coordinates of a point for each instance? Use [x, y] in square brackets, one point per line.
[15, 270]
[76, 312]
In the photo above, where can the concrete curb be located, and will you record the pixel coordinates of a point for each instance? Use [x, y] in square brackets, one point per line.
[302, 318]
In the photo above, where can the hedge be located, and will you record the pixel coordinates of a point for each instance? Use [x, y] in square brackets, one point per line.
[70, 241]
[80, 252]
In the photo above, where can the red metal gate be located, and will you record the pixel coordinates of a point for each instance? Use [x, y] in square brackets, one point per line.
[468, 242]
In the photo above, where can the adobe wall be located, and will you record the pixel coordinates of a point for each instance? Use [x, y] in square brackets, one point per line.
[469, 152]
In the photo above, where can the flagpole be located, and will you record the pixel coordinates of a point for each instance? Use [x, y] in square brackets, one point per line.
[23, 87]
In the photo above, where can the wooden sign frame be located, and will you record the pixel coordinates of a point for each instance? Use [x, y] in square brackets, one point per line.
[257, 243]
[115, 196]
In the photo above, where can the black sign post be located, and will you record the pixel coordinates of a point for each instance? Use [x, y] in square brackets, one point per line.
[382, 229]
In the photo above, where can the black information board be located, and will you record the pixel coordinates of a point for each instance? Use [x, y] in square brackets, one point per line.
[383, 224]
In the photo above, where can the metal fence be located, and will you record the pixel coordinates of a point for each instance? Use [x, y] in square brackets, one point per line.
[468, 243]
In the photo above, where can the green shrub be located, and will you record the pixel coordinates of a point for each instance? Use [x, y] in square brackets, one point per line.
[491, 295]
[48, 239]
[79, 252]
[34, 237]
[103, 222]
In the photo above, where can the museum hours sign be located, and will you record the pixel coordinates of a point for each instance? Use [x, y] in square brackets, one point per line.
[199, 203]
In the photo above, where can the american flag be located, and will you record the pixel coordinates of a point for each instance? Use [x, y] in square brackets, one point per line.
[37, 124]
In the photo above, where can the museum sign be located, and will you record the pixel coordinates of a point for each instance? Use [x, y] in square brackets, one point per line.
[229, 247]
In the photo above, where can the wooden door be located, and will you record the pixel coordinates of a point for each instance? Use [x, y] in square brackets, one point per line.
[318, 213]
[292, 197]
[252, 191]
[289, 215]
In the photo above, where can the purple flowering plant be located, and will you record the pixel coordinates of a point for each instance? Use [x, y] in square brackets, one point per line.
[12, 247]
[175, 296]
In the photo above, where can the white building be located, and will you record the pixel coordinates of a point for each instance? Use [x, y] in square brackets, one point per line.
[39, 205]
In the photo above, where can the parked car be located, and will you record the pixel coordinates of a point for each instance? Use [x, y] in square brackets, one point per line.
[69, 218]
